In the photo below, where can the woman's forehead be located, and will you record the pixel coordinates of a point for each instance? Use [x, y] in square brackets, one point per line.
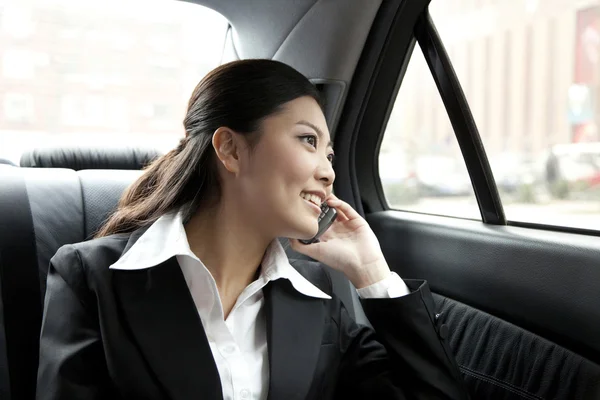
[306, 112]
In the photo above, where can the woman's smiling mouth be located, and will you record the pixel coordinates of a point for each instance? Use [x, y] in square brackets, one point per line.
[314, 200]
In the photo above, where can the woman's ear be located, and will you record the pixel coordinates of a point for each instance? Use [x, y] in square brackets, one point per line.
[227, 147]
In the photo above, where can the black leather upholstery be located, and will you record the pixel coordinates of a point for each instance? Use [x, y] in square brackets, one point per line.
[66, 206]
[20, 289]
[56, 209]
[80, 158]
[543, 281]
[101, 191]
[502, 361]
[541, 338]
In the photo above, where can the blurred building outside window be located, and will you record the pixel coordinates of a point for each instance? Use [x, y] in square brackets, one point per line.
[82, 72]
[530, 72]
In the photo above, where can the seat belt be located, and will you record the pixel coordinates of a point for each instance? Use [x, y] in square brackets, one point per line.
[4, 375]
[20, 301]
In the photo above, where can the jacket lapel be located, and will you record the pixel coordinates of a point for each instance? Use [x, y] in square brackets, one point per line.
[294, 330]
[161, 314]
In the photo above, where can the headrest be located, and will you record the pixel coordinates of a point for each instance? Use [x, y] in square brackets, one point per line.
[79, 158]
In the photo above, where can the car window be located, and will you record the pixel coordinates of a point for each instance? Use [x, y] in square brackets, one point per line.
[115, 72]
[420, 164]
[529, 70]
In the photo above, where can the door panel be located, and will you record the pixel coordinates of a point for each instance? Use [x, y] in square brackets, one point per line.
[500, 360]
[545, 282]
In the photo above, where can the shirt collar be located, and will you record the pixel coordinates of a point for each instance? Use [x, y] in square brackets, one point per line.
[166, 238]
[276, 265]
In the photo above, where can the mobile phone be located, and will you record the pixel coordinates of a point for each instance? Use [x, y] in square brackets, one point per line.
[328, 215]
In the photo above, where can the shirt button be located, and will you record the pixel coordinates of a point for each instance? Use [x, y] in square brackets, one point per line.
[245, 394]
[229, 349]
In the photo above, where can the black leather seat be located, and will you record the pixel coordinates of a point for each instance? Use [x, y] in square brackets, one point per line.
[80, 158]
[42, 209]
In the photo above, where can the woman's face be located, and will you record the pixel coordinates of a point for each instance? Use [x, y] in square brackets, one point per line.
[289, 172]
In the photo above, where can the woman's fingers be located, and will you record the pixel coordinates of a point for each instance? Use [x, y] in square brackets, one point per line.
[345, 208]
[341, 216]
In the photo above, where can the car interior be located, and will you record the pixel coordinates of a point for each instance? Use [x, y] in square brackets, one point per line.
[518, 301]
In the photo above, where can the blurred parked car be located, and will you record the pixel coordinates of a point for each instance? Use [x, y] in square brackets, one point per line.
[399, 181]
[442, 175]
[572, 169]
[510, 171]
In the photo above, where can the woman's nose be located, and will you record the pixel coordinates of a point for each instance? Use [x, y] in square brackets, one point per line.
[326, 173]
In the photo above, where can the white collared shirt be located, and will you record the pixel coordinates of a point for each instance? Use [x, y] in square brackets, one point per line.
[238, 343]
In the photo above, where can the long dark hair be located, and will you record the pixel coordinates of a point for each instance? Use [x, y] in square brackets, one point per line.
[238, 95]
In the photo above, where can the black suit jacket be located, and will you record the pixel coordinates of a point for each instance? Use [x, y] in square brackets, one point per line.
[114, 334]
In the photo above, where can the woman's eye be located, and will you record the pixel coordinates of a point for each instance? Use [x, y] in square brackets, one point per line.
[331, 158]
[310, 139]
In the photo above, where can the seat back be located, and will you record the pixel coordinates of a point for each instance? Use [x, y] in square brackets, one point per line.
[81, 158]
[40, 211]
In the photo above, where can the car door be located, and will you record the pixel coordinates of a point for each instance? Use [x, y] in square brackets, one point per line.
[514, 268]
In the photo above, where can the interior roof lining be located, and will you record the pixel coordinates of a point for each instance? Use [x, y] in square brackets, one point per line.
[293, 28]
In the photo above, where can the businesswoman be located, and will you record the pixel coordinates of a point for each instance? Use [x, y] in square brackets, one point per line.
[186, 292]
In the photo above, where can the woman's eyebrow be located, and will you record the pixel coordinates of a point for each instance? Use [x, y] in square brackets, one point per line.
[313, 126]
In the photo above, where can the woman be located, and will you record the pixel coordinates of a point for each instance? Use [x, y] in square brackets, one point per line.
[186, 293]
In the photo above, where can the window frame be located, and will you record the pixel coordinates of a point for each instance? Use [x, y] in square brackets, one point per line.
[378, 109]
[461, 118]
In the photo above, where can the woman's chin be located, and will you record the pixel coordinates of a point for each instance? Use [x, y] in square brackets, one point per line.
[305, 232]
[302, 228]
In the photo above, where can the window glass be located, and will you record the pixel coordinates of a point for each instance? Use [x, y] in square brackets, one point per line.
[530, 71]
[114, 72]
[420, 163]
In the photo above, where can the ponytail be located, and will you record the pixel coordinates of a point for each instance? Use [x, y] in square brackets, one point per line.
[172, 181]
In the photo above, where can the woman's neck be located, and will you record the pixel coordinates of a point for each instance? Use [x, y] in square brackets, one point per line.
[229, 247]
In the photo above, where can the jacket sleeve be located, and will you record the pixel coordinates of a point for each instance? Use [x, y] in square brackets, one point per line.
[403, 356]
[72, 363]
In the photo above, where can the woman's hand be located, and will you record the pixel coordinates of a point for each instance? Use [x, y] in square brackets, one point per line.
[349, 246]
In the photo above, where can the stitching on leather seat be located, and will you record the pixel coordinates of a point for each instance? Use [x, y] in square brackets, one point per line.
[497, 382]
[500, 381]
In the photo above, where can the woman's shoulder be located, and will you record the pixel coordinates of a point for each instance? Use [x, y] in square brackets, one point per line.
[89, 257]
